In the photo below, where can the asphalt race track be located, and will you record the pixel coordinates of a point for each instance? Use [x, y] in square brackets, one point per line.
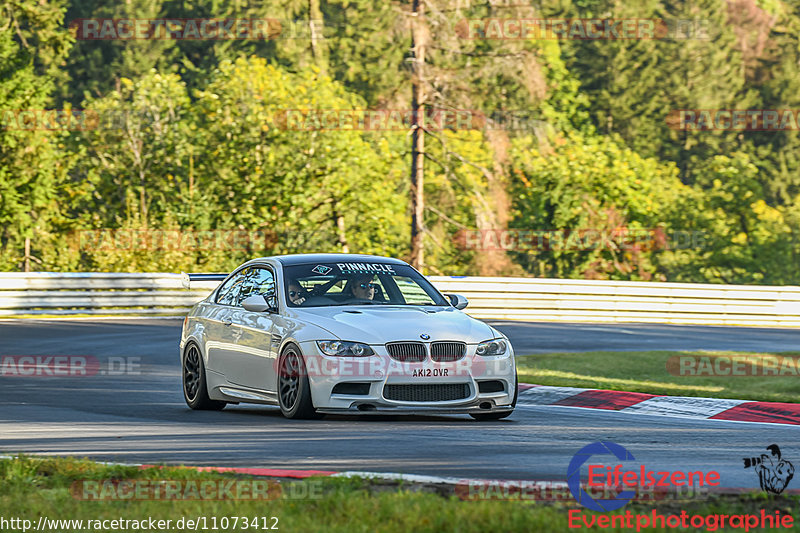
[140, 417]
[529, 337]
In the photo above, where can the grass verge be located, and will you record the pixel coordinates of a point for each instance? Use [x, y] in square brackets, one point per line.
[34, 487]
[648, 372]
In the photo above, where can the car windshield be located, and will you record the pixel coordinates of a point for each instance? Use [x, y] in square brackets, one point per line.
[340, 284]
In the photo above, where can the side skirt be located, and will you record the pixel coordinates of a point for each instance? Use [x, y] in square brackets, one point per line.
[235, 395]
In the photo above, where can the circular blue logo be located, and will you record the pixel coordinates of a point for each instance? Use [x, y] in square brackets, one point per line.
[424, 336]
[574, 476]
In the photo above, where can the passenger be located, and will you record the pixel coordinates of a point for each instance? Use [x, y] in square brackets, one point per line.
[363, 288]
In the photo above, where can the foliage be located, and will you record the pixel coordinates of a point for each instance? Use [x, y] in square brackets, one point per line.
[594, 186]
[230, 162]
[192, 136]
[743, 239]
[33, 164]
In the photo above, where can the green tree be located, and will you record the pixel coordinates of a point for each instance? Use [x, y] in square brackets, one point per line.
[139, 150]
[97, 66]
[317, 189]
[634, 85]
[33, 166]
[740, 237]
[585, 185]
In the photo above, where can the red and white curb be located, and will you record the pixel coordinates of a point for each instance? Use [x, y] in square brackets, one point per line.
[302, 474]
[292, 473]
[651, 404]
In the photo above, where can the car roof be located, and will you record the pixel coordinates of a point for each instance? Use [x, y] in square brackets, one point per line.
[299, 259]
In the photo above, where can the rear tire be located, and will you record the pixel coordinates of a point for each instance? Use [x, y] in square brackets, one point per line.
[499, 416]
[294, 391]
[195, 391]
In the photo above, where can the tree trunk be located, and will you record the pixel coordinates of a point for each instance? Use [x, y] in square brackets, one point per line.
[340, 231]
[317, 40]
[417, 138]
[27, 254]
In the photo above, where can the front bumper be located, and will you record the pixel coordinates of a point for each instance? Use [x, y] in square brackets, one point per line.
[417, 410]
[375, 373]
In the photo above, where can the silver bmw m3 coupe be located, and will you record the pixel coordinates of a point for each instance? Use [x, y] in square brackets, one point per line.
[322, 334]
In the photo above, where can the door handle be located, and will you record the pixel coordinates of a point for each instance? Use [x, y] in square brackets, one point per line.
[227, 321]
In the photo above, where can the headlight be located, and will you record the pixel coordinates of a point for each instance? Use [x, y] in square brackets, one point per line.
[345, 349]
[492, 347]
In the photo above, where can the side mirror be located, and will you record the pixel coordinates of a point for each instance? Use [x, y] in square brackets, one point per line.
[258, 303]
[458, 301]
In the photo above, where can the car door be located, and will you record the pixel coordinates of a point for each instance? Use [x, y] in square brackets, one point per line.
[219, 334]
[251, 354]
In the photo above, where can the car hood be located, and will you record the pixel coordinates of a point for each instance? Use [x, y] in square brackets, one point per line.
[382, 324]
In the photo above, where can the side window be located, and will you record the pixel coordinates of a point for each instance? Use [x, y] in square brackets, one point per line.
[412, 293]
[229, 291]
[257, 280]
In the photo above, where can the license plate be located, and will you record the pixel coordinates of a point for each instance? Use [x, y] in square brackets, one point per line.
[430, 372]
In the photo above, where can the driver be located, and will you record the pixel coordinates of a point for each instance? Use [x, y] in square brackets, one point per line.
[363, 288]
[296, 293]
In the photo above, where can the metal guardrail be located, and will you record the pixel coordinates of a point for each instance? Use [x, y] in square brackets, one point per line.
[570, 300]
[52, 293]
[96, 293]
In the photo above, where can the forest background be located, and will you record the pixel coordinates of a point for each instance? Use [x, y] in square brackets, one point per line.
[197, 154]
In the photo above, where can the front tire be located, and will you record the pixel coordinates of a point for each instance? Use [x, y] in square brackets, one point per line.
[195, 390]
[294, 391]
